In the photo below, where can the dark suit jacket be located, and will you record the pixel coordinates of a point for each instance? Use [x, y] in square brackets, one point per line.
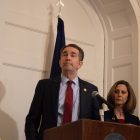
[129, 118]
[44, 106]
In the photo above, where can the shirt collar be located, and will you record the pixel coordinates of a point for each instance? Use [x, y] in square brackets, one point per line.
[64, 80]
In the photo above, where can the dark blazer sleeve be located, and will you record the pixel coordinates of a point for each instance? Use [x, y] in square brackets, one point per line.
[132, 119]
[43, 110]
[34, 116]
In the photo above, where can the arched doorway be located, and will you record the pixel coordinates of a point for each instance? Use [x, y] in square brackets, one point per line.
[121, 41]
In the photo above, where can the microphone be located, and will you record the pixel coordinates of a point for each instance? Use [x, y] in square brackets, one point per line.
[101, 99]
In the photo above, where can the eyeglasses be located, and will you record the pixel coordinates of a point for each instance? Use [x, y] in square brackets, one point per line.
[121, 91]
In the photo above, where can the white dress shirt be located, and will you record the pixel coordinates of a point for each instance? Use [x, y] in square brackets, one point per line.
[62, 91]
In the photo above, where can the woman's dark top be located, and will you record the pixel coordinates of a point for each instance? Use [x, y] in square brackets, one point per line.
[129, 118]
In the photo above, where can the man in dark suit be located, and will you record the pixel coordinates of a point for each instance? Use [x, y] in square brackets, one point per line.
[47, 107]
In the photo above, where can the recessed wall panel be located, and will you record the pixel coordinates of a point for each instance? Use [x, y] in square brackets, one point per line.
[122, 73]
[118, 19]
[122, 47]
[25, 47]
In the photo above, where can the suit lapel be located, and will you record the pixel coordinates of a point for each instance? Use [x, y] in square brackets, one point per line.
[84, 98]
[55, 95]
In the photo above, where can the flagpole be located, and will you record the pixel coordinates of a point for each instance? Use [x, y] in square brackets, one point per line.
[60, 43]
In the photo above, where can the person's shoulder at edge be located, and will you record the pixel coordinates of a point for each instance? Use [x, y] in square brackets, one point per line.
[109, 115]
[133, 118]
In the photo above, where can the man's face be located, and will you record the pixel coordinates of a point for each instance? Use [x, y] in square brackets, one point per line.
[69, 60]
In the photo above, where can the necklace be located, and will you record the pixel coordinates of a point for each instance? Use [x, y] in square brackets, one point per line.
[119, 114]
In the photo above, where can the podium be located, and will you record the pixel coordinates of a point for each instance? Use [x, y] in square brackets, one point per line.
[93, 130]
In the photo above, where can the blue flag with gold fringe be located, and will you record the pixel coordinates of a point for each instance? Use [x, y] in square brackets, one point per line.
[60, 43]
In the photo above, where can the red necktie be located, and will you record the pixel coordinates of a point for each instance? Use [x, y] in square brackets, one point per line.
[68, 104]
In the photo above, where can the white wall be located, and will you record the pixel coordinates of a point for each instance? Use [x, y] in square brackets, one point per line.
[27, 36]
[136, 7]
